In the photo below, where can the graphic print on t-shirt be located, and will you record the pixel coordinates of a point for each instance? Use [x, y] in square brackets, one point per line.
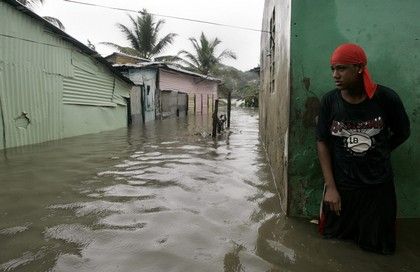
[357, 135]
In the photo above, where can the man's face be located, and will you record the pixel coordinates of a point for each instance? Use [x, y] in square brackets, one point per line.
[346, 76]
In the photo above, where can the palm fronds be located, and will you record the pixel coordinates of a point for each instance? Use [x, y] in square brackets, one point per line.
[143, 36]
[204, 59]
[55, 22]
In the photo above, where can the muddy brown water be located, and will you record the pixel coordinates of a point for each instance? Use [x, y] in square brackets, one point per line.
[165, 197]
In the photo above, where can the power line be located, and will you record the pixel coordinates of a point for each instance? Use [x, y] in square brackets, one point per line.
[169, 16]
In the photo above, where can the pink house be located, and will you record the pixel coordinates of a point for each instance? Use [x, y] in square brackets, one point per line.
[158, 79]
[201, 89]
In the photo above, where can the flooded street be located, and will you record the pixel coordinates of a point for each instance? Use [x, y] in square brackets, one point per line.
[164, 198]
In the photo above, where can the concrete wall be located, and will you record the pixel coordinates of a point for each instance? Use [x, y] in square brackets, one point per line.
[44, 78]
[274, 104]
[202, 89]
[389, 32]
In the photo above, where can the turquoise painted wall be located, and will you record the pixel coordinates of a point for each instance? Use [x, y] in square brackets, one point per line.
[389, 32]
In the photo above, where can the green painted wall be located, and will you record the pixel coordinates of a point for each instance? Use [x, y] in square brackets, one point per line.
[92, 119]
[1, 126]
[389, 32]
[44, 80]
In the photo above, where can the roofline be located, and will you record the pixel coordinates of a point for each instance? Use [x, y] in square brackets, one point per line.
[128, 55]
[162, 65]
[84, 48]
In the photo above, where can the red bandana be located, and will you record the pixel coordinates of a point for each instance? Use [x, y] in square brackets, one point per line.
[349, 53]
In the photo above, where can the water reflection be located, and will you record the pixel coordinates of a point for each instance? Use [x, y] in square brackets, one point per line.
[231, 262]
[163, 198]
[166, 197]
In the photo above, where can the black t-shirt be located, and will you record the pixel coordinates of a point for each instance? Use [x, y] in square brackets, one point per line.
[361, 136]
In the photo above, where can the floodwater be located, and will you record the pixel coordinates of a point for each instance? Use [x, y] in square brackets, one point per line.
[164, 198]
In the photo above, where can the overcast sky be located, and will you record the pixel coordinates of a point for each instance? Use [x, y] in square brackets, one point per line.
[98, 24]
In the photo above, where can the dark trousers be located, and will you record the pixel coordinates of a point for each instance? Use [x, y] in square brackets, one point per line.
[368, 217]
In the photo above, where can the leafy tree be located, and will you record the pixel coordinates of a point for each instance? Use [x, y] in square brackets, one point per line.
[143, 36]
[52, 20]
[204, 59]
[242, 85]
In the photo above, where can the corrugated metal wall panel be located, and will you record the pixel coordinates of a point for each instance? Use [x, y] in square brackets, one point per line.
[121, 88]
[32, 108]
[27, 43]
[118, 99]
[51, 59]
[35, 66]
[120, 93]
[16, 27]
[88, 89]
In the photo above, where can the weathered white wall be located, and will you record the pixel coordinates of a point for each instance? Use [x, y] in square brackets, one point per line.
[147, 78]
[274, 105]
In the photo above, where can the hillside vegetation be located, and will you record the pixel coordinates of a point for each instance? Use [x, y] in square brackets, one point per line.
[242, 85]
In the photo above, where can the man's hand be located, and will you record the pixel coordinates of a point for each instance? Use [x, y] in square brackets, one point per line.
[332, 198]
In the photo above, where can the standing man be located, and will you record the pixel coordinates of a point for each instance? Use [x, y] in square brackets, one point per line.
[359, 124]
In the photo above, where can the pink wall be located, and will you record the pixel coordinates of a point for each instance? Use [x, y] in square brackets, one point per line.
[174, 81]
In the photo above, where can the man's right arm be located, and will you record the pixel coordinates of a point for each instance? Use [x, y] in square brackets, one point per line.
[332, 197]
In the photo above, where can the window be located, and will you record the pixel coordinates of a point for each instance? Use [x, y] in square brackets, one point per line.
[272, 51]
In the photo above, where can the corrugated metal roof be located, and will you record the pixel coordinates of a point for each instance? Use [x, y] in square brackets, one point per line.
[127, 55]
[155, 64]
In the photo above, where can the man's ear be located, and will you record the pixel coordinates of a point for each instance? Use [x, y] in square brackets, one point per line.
[360, 68]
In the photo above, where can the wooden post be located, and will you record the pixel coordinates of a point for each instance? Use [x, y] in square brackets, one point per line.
[215, 118]
[143, 104]
[229, 106]
[195, 104]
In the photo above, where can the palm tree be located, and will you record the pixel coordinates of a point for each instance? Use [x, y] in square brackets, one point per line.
[204, 59]
[143, 37]
[55, 22]
[52, 20]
